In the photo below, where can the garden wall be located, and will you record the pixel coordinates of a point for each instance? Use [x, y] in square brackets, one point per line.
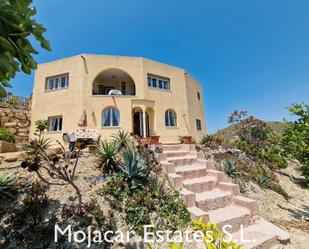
[17, 122]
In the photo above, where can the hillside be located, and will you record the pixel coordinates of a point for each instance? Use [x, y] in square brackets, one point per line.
[229, 132]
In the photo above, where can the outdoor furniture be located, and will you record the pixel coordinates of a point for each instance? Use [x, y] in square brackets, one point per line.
[83, 135]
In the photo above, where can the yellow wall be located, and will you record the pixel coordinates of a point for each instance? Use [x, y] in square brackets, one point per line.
[83, 70]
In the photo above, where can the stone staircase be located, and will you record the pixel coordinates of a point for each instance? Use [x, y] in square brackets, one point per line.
[209, 194]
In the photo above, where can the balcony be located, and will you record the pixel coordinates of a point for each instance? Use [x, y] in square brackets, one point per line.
[113, 82]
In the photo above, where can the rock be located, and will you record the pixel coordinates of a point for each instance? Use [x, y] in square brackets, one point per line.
[21, 116]
[11, 114]
[23, 124]
[7, 147]
[5, 120]
[12, 130]
[54, 150]
[23, 134]
[22, 130]
[21, 139]
[10, 124]
[14, 156]
[95, 179]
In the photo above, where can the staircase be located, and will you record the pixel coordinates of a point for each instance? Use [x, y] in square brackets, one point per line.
[210, 195]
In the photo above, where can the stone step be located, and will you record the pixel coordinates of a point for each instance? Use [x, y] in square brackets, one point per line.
[246, 202]
[175, 180]
[219, 174]
[230, 187]
[197, 214]
[191, 171]
[172, 147]
[231, 215]
[188, 197]
[182, 161]
[167, 167]
[175, 153]
[262, 235]
[201, 184]
[213, 199]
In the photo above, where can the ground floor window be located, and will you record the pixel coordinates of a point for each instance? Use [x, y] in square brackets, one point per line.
[110, 117]
[170, 118]
[55, 123]
[198, 125]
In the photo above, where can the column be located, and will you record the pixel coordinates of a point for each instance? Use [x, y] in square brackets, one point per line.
[144, 124]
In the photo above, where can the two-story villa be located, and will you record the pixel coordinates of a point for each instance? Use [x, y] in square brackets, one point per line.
[118, 92]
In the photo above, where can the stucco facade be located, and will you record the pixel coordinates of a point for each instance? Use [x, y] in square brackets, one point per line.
[148, 89]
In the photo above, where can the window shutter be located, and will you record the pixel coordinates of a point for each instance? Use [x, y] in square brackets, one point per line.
[116, 117]
[173, 115]
[166, 119]
[106, 117]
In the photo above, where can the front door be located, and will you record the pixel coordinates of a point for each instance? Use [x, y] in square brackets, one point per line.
[138, 126]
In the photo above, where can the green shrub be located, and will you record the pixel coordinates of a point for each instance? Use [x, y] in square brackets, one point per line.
[216, 235]
[7, 185]
[295, 138]
[180, 139]
[6, 136]
[137, 216]
[229, 168]
[174, 211]
[36, 198]
[207, 139]
[123, 138]
[132, 167]
[107, 153]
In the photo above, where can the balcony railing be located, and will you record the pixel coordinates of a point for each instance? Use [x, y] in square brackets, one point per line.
[15, 102]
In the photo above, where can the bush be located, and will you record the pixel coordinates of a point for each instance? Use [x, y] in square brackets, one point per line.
[295, 138]
[7, 185]
[107, 153]
[6, 136]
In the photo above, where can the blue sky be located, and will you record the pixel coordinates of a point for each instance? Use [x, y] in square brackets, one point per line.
[251, 55]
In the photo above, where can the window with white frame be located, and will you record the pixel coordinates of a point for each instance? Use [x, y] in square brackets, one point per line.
[158, 82]
[110, 117]
[198, 125]
[57, 82]
[170, 118]
[55, 124]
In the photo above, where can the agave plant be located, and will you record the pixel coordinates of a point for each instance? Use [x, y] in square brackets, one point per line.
[207, 139]
[107, 153]
[122, 137]
[158, 187]
[132, 167]
[7, 185]
[229, 168]
[262, 181]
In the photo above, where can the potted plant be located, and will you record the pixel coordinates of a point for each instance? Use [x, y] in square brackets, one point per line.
[187, 139]
[154, 139]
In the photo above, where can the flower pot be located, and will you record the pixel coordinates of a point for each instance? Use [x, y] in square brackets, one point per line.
[154, 139]
[187, 139]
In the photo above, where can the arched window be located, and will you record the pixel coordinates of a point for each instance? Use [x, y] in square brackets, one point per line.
[170, 118]
[110, 117]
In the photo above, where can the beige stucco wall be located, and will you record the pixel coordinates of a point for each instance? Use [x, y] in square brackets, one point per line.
[83, 70]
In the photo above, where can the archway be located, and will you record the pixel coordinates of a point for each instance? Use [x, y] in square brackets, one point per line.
[140, 121]
[113, 79]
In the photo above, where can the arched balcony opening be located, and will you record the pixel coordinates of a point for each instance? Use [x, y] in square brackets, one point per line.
[113, 82]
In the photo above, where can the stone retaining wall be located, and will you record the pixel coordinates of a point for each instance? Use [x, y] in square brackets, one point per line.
[17, 122]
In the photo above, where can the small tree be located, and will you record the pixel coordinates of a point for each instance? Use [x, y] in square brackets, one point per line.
[16, 49]
[236, 116]
[50, 168]
[295, 138]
